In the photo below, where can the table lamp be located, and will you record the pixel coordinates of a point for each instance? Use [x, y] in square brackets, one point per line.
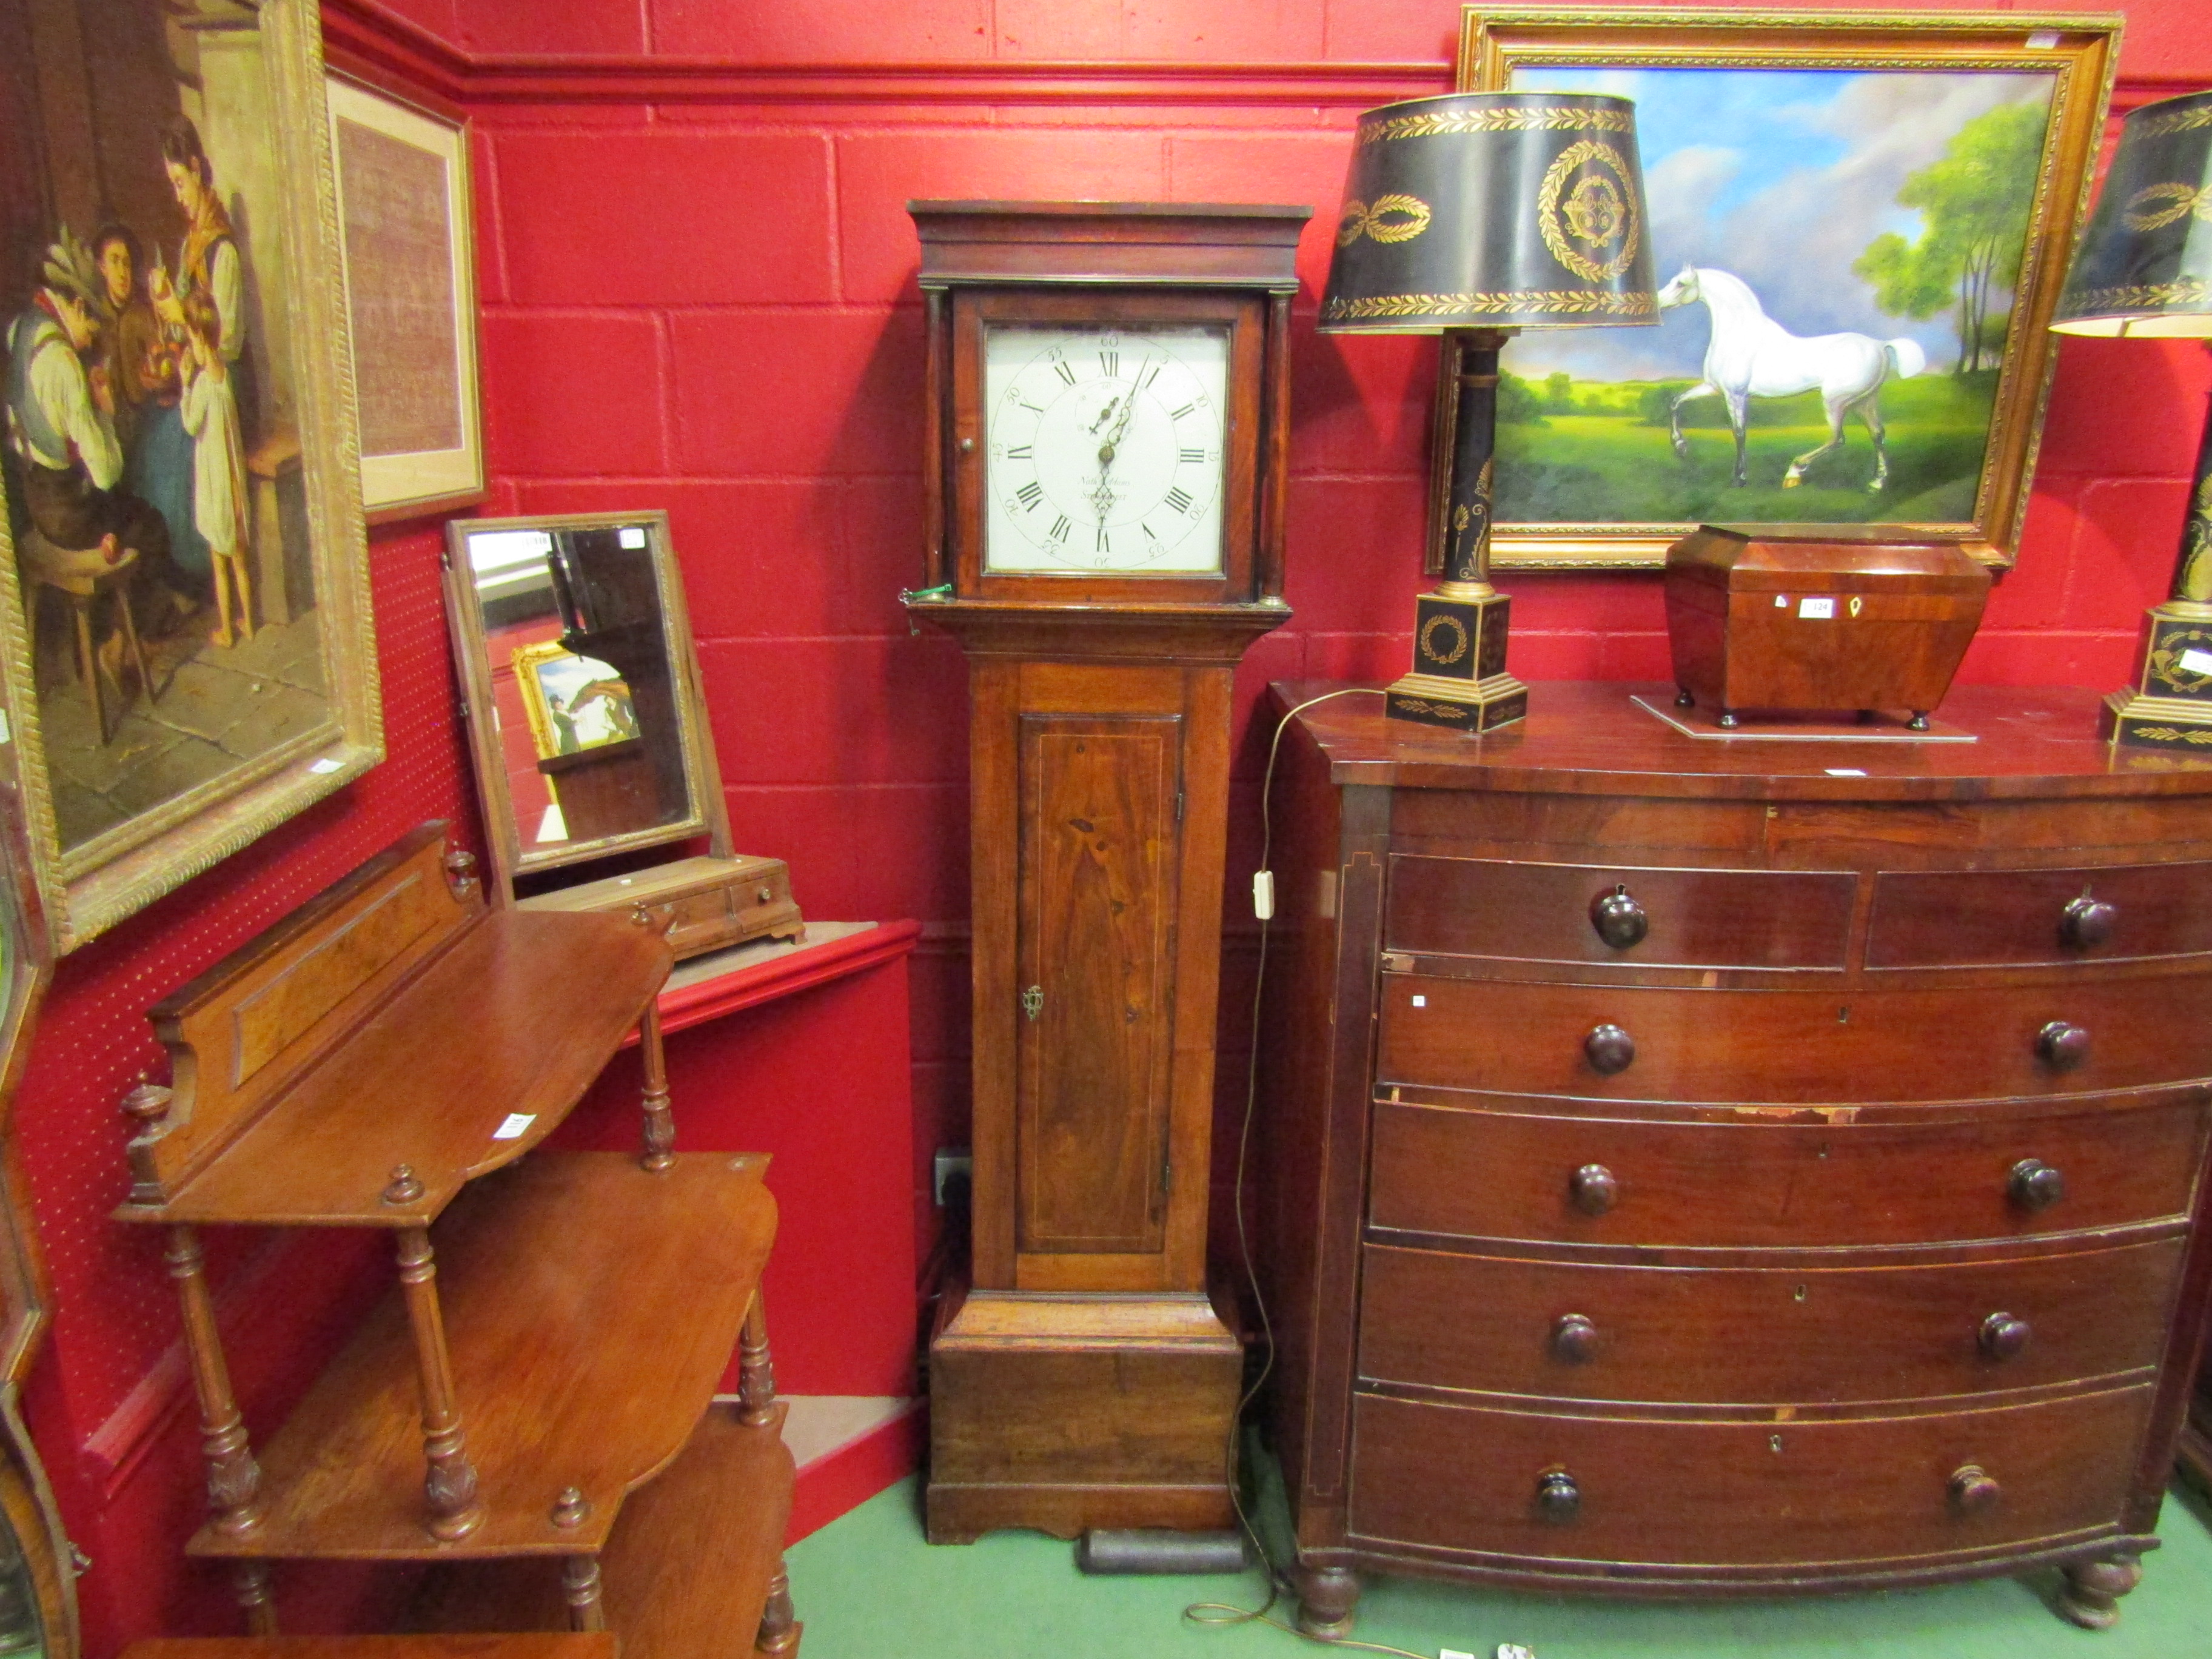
[1473, 216]
[2145, 271]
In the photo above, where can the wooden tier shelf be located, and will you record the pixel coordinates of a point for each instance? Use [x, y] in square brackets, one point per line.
[696, 1559]
[456, 1051]
[556, 1277]
[383, 1058]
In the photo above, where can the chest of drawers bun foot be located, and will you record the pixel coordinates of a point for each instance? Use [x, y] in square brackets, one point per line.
[2093, 1588]
[1699, 1170]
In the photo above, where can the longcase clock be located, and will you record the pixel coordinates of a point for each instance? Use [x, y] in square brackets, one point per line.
[1107, 425]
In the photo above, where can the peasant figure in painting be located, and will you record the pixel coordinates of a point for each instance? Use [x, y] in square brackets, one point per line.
[154, 458]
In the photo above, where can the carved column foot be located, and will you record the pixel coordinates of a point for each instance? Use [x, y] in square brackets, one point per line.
[449, 1481]
[779, 1628]
[2094, 1589]
[249, 1583]
[1327, 1597]
[234, 1478]
[756, 1372]
[580, 1583]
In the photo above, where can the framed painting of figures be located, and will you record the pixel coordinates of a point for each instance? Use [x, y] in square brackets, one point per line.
[1861, 222]
[187, 652]
[404, 228]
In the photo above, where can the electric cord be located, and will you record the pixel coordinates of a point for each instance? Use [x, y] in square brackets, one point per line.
[1280, 1586]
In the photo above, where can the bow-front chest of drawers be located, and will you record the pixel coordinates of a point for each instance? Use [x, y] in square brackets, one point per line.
[1697, 1167]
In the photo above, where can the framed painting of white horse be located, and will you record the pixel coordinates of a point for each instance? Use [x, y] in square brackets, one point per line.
[1861, 221]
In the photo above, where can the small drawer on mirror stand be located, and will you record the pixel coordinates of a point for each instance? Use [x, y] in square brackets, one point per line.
[708, 903]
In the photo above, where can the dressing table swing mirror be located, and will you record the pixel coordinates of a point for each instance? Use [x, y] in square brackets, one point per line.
[589, 734]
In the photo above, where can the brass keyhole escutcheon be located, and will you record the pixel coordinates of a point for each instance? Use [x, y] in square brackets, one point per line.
[1033, 1001]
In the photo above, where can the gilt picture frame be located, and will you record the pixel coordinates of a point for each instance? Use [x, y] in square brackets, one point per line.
[406, 218]
[187, 655]
[1900, 192]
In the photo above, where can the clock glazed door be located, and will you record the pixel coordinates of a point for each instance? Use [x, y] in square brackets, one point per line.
[1186, 464]
[1100, 801]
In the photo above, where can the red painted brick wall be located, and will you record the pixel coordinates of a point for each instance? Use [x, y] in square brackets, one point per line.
[697, 281]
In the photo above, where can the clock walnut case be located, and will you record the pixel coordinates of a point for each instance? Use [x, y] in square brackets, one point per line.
[1106, 429]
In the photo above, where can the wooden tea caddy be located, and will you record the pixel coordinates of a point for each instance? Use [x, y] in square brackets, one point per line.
[1802, 618]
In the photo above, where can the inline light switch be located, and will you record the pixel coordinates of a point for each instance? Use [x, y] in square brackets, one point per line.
[1263, 895]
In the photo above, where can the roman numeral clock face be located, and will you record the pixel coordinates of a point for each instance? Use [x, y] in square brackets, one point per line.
[1105, 449]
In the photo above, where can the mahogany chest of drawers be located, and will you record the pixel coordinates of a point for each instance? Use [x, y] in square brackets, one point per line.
[1699, 1167]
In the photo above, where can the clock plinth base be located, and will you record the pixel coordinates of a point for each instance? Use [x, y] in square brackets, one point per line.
[1477, 706]
[1065, 1414]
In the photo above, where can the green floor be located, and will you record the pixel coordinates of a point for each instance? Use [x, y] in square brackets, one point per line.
[869, 1587]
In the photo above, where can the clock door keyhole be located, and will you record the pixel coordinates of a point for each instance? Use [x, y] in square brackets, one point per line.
[1033, 1001]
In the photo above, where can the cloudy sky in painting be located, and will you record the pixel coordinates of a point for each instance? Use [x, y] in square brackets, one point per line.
[1781, 176]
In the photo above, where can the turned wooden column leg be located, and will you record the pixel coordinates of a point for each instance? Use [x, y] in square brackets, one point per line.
[234, 1478]
[580, 1583]
[756, 1370]
[2094, 1589]
[779, 1627]
[659, 1121]
[450, 1484]
[1326, 1596]
[249, 1584]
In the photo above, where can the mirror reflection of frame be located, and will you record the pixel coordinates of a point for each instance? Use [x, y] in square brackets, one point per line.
[38, 1593]
[589, 731]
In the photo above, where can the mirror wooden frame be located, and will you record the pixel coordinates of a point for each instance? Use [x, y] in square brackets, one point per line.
[720, 899]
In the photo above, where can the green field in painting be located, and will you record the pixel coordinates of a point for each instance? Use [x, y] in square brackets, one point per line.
[1609, 461]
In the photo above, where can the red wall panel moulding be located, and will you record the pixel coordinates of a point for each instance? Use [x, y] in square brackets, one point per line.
[781, 976]
[375, 43]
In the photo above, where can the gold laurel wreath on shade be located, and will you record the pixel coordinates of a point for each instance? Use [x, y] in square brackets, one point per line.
[1494, 120]
[2179, 201]
[1361, 219]
[2180, 120]
[1589, 153]
[1562, 301]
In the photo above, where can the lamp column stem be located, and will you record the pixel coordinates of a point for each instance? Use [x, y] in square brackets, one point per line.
[2193, 570]
[2170, 704]
[1475, 449]
[1459, 677]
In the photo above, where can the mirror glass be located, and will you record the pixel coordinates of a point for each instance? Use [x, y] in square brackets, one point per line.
[584, 692]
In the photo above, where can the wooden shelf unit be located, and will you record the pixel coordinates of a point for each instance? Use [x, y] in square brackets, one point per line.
[383, 1058]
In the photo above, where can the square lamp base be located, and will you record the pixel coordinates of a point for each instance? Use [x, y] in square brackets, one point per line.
[1478, 707]
[2142, 722]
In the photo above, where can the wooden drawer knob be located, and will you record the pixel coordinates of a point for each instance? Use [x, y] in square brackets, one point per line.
[1973, 1490]
[2061, 1046]
[1619, 919]
[1558, 1497]
[1593, 1188]
[2086, 921]
[2034, 1185]
[2003, 1336]
[1574, 1338]
[1609, 1049]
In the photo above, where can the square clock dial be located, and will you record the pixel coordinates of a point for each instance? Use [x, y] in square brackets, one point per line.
[1105, 448]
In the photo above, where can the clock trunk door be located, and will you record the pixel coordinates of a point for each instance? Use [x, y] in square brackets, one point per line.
[1099, 805]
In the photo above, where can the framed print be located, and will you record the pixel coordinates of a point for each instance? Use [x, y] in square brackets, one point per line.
[1861, 221]
[575, 703]
[187, 655]
[404, 218]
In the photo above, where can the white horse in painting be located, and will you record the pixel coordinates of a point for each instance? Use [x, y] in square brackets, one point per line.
[1751, 356]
